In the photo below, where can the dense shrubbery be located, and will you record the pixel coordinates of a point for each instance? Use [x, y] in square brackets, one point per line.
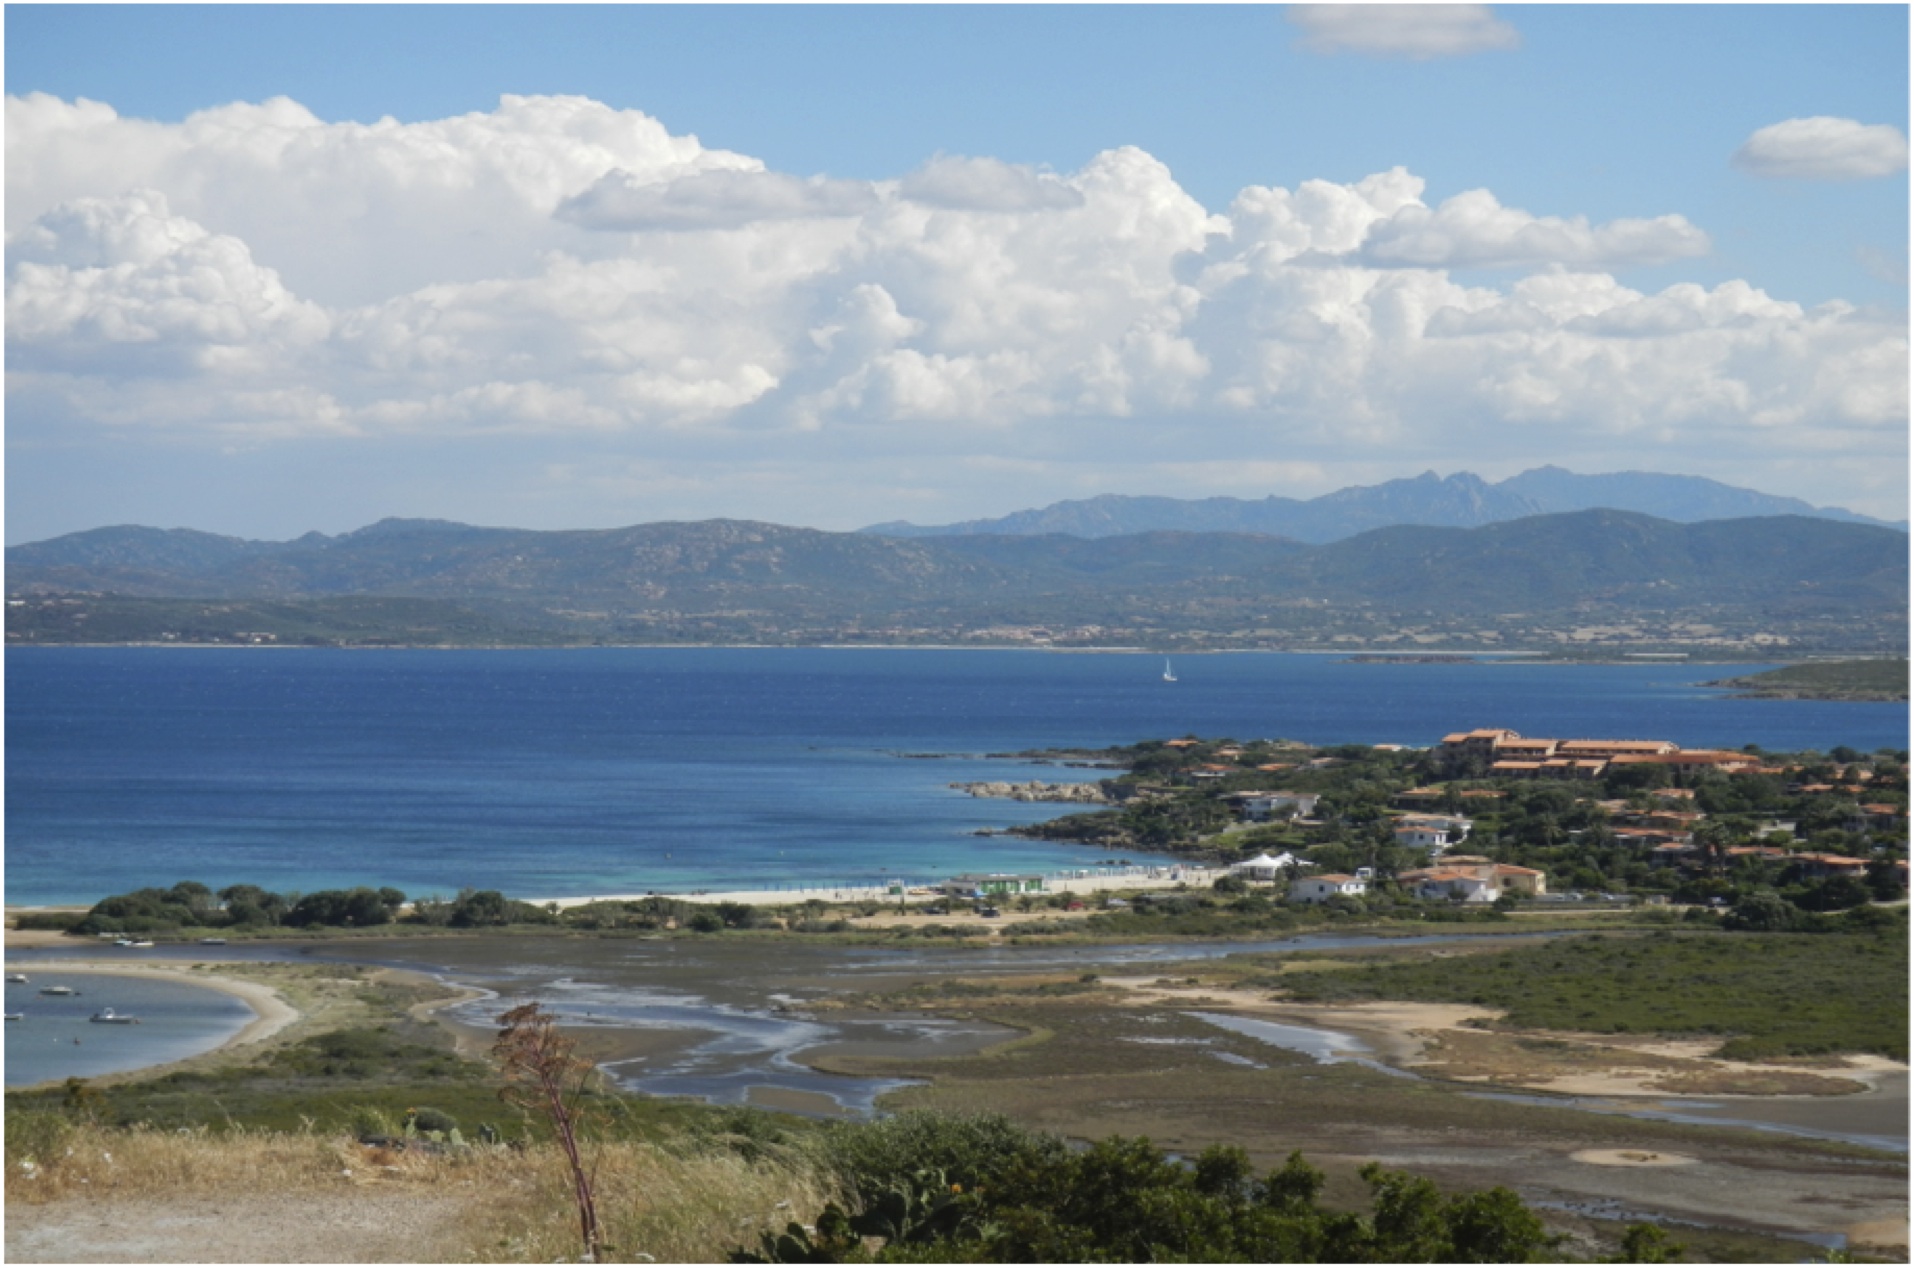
[928, 1189]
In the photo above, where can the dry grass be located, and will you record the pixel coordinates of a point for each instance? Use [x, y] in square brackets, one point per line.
[50, 1159]
[686, 1204]
[654, 1204]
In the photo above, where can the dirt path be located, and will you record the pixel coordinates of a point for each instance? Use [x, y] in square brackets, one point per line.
[353, 1227]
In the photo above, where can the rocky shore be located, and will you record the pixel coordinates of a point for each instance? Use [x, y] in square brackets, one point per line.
[1036, 790]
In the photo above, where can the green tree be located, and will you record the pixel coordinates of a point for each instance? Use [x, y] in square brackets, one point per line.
[477, 908]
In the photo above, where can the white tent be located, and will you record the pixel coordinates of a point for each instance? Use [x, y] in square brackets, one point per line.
[1263, 867]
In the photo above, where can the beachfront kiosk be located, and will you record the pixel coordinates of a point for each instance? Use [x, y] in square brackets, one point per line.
[995, 885]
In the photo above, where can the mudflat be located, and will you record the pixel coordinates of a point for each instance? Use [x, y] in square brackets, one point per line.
[1094, 1050]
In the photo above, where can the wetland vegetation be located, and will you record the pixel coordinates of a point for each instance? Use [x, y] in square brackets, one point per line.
[1764, 995]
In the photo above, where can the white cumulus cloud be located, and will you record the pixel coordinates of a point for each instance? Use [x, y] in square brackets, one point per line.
[1475, 230]
[1823, 148]
[1415, 31]
[560, 272]
[986, 184]
[711, 200]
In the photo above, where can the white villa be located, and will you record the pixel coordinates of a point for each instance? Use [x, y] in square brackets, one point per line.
[1432, 834]
[1317, 889]
[1264, 805]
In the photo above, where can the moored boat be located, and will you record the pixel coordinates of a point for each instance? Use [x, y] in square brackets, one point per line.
[107, 1017]
[16, 977]
[58, 990]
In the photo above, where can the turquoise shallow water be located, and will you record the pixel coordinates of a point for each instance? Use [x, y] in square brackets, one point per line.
[54, 1040]
[625, 770]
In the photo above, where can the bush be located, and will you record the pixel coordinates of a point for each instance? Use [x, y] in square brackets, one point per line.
[343, 908]
[969, 1149]
[37, 1137]
[56, 921]
[979, 1189]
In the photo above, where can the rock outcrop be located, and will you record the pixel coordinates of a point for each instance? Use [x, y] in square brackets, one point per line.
[1036, 790]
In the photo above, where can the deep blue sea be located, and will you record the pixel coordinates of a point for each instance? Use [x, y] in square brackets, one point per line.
[577, 772]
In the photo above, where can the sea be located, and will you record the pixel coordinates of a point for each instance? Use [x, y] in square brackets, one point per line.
[577, 772]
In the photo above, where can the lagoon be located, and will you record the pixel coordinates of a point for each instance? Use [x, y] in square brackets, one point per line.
[54, 1039]
[621, 770]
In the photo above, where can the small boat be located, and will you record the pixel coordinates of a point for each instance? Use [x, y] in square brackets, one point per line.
[1169, 675]
[140, 946]
[16, 1016]
[58, 990]
[16, 977]
[107, 1017]
[212, 942]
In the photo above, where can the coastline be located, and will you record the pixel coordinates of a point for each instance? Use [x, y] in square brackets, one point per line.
[1544, 656]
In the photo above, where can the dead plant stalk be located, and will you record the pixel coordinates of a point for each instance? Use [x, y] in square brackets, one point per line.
[544, 1074]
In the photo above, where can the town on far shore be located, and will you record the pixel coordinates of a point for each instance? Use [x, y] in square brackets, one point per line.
[1493, 817]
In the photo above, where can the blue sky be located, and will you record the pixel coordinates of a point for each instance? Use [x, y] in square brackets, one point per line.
[937, 262]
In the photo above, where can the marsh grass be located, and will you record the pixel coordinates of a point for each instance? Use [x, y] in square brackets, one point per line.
[1765, 995]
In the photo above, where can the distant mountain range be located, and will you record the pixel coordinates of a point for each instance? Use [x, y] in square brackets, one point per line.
[726, 580]
[1463, 500]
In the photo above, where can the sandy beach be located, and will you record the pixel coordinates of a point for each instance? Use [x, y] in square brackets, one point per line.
[1141, 878]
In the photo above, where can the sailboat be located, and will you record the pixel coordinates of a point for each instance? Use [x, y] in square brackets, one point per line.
[1169, 675]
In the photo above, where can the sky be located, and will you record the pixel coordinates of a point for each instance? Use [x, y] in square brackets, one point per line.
[279, 269]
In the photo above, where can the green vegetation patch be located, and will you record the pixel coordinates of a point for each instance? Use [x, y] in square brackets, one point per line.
[963, 1189]
[1768, 995]
[1830, 680]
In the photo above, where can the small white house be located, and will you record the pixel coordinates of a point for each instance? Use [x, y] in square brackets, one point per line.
[1264, 867]
[1432, 833]
[1318, 889]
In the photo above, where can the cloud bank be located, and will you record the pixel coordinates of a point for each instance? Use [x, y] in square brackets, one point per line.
[1825, 149]
[558, 268]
